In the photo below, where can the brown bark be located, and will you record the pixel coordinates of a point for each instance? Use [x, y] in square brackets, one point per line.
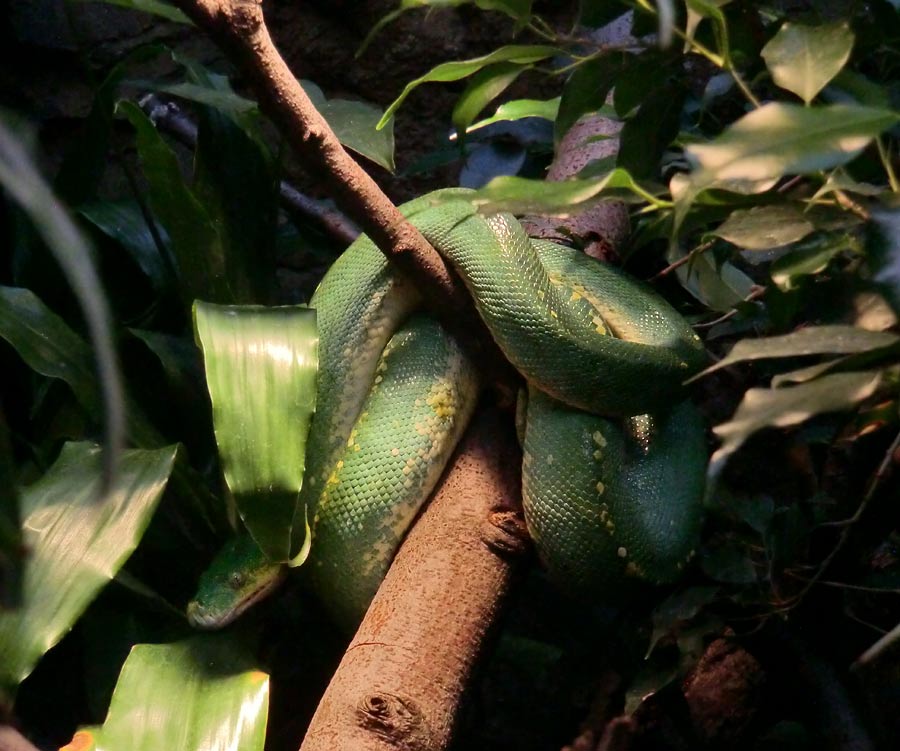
[239, 28]
[400, 682]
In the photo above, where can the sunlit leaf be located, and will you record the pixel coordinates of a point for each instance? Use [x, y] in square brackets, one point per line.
[765, 227]
[200, 693]
[780, 139]
[483, 87]
[454, 71]
[812, 340]
[519, 109]
[791, 405]
[261, 368]
[521, 195]
[358, 125]
[803, 59]
[77, 538]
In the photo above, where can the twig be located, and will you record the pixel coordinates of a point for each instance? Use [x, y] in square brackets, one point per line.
[874, 484]
[703, 247]
[172, 118]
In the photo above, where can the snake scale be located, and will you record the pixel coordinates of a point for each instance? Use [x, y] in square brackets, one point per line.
[613, 462]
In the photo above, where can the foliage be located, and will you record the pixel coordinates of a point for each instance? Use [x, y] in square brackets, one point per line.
[758, 152]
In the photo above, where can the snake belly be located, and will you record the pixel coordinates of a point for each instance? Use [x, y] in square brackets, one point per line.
[613, 463]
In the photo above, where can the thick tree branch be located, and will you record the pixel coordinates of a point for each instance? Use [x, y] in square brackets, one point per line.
[239, 28]
[400, 682]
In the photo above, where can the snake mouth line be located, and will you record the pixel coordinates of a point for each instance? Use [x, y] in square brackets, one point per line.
[201, 618]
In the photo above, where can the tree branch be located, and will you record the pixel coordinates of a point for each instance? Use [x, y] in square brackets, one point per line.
[239, 28]
[446, 587]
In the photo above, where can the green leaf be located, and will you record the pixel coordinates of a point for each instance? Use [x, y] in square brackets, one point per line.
[810, 258]
[776, 140]
[518, 109]
[485, 86]
[454, 71]
[25, 186]
[677, 609]
[358, 125]
[803, 59]
[154, 7]
[784, 407]
[586, 90]
[261, 375]
[48, 346]
[200, 693]
[812, 340]
[521, 195]
[719, 287]
[78, 538]
[196, 241]
[765, 227]
[697, 10]
[123, 222]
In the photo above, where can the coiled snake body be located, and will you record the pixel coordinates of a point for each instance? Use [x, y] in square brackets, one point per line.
[613, 464]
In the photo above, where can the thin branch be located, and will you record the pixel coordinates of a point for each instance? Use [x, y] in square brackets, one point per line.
[171, 118]
[239, 28]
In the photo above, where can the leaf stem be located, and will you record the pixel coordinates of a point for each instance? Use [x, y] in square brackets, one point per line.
[885, 157]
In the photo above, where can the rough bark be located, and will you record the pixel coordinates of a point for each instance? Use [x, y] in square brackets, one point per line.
[401, 680]
[239, 28]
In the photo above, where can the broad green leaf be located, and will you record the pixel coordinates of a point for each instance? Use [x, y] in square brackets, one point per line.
[810, 258]
[48, 346]
[586, 90]
[78, 538]
[358, 125]
[780, 139]
[784, 407]
[261, 375]
[454, 71]
[649, 130]
[812, 340]
[483, 87]
[678, 608]
[521, 195]
[196, 241]
[765, 227]
[25, 186]
[154, 7]
[803, 59]
[200, 693]
[719, 287]
[519, 109]
[123, 222]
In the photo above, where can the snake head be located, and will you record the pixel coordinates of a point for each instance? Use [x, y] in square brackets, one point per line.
[239, 576]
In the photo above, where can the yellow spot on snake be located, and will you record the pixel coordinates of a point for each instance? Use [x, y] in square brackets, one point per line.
[378, 379]
[599, 439]
[575, 296]
[553, 314]
[632, 569]
[395, 452]
[597, 455]
[550, 459]
[622, 553]
[601, 488]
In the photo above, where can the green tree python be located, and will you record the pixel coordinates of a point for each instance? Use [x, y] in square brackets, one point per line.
[614, 462]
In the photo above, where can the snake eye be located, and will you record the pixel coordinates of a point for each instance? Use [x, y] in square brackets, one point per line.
[236, 580]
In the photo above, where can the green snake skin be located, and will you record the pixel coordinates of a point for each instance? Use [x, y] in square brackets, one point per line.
[611, 494]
